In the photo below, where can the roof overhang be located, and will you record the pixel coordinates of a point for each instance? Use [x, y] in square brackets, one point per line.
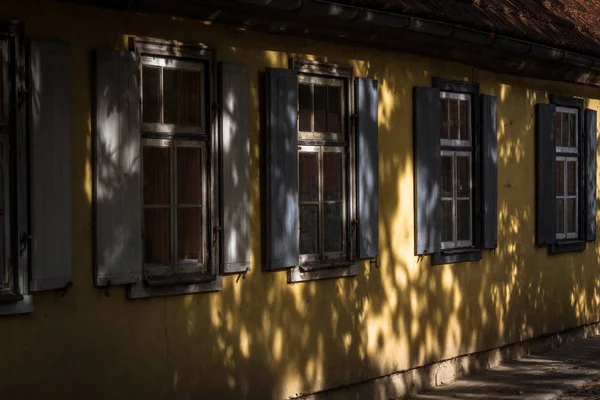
[326, 20]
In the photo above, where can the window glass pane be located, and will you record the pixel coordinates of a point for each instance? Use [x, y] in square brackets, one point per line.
[305, 108]
[191, 103]
[320, 108]
[332, 221]
[463, 174]
[571, 178]
[332, 176]
[4, 276]
[560, 215]
[189, 175]
[447, 176]
[560, 177]
[447, 221]
[453, 119]
[156, 236]
[463, 107]
[334, 109]
[157, 178]
[558, 129]
[571, 215]
[444, 104]
[309, 177]
[189, 235]
[171, 90]
[151, 93]
[572, 130]
[3, 70]
[309, 229]
[463, 219]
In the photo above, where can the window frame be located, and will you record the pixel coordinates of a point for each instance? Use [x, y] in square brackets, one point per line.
[164, 62]
[473, 252]
[573, 244]
[310, 269]
[322, 256]
[16, 299]
[183, 281]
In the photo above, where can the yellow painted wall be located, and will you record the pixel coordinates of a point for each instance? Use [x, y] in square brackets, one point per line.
[260, 337]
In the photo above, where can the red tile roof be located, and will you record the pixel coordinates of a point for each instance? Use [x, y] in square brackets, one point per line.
[567, 24]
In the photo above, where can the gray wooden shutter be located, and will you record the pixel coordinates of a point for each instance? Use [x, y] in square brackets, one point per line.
[50, 165]
[281, 169]
[117, 180]
[490, 171]
[426, 142]
[590, 134]
[368, 168]
[545, 165]
[235, 148]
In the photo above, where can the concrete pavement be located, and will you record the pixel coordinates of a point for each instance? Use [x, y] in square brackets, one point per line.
[542, 376]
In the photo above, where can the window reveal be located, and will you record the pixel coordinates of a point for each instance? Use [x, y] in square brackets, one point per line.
[567, 176]
[456, 170]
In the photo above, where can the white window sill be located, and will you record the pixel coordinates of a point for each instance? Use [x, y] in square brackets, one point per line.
[142, 290]
[326, 271]
[24, 306]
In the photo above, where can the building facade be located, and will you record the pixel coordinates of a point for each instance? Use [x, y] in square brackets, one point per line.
[212, 207]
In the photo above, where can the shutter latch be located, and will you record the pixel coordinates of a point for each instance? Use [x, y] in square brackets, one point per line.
[216, 230]
[25, 238]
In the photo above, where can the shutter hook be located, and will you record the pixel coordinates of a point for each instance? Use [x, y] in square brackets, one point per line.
[216, 230]
[374, 260]
[242, 275]
[64, 290]
[107, 289]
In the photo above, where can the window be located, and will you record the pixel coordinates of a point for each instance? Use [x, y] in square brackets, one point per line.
[456, 168]
[320, 190]
[6, 275]
[175, 178]
[455, 147]
[567, 172]
[322, 176]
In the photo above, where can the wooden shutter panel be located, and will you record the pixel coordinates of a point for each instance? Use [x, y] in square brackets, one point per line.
[590, 134]
[117, 181]
[545, 165]
[281, 170]
[368, 168]
[50, 165]
[490, 171]
[235, 181]
[426, 142]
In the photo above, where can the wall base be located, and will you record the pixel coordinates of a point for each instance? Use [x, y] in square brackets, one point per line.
[402, 383]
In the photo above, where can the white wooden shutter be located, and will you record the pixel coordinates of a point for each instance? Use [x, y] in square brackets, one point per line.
[235, 150]
[50, 165]
[117, 175]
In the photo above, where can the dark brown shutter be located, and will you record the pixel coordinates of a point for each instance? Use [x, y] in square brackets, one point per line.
[545, 166]
[280, 211]
[368, 170]
[426, 142]
[50, 165]
[590, 134]
[489, 150]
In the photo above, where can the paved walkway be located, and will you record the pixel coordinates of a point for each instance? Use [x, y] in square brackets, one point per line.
[566, 373]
